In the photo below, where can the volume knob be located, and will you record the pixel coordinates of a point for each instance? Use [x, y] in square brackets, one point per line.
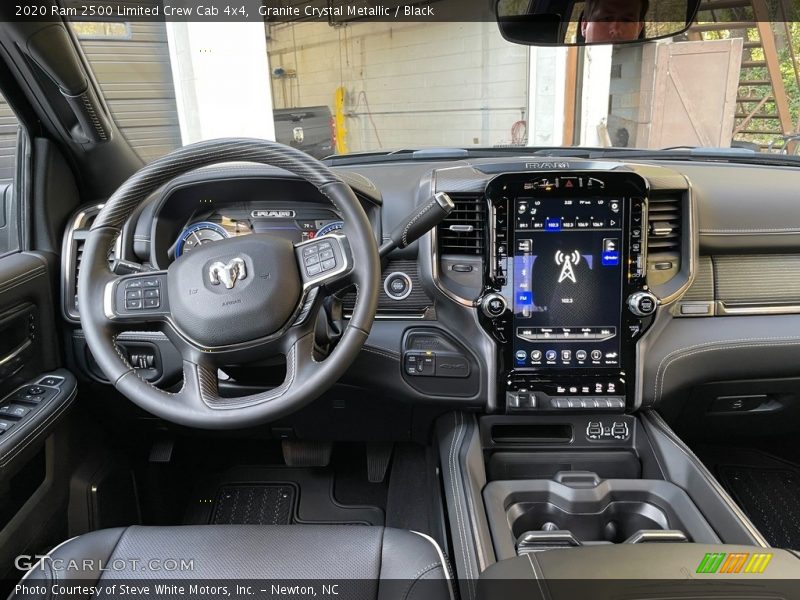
[642, 304]
[493, 305]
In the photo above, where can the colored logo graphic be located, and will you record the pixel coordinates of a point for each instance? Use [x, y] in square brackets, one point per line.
[735, 562]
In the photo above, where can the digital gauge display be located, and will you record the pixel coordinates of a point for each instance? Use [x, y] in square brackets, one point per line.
[198, 234]
[330, 228]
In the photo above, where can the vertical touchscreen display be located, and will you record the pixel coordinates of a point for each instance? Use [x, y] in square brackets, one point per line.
[567, 281]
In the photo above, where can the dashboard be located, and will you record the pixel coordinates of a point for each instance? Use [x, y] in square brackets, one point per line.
[555, 285]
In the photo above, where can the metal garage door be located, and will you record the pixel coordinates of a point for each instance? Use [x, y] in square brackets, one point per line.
[132, 66]
[8, 143]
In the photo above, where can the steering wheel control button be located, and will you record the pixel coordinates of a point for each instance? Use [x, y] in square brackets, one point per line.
[329, 265]
[397, 286]
[312, 259]
[314, 269]
[133, 294]
[133, 304]
[642, 304]
[494, 305]
[326, 254]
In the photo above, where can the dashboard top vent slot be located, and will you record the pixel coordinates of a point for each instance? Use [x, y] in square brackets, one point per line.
[464, 230]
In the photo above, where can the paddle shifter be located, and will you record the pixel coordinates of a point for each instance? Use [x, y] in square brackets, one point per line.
[423, 219]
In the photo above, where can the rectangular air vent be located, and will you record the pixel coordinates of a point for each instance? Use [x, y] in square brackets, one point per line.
[464, 230]
[664, 221]
[75, 239]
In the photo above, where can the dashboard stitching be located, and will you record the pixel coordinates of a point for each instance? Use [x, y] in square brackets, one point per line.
[21, 279]
[678, 354]
[381, 352]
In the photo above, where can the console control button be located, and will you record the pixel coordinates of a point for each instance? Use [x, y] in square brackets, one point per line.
[52, 381]
[493, 305]
[642, 304]
[5, 425]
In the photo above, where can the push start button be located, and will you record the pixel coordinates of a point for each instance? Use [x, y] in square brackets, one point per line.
[397, 286]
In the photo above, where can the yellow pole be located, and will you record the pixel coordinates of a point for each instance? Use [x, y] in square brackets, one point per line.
[338, 120]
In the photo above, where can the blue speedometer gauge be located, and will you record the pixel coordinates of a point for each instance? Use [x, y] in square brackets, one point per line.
[198, 234]
[330, 228]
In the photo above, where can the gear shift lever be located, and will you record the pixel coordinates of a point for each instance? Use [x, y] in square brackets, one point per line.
[423, 219]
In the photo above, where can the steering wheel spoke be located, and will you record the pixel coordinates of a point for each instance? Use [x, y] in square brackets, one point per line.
[136, 299]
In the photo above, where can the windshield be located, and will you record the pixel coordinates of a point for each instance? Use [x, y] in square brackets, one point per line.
[344, 87]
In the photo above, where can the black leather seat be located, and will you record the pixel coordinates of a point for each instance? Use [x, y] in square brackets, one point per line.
[366, 562]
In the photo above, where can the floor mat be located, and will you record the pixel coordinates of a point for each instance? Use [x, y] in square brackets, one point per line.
[254, 505]
[244, 495]
[770, 497]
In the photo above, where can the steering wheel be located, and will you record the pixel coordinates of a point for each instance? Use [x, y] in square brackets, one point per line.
[233, 301]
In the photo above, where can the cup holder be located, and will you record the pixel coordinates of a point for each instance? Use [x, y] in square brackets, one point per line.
[580, 509]
[614, 523]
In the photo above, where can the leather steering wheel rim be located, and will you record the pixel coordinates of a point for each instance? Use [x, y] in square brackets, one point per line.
[198, 403]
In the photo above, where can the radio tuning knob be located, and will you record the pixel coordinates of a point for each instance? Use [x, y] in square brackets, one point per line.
[642, 304]
[493, 305]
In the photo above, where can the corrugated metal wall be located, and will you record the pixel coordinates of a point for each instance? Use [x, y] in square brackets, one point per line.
[8, 143]
[136, 79]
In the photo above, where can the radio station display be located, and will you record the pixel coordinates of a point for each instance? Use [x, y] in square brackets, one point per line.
[567, 282]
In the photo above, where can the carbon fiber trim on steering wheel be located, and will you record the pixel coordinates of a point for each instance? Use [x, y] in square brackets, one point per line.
[125, 200]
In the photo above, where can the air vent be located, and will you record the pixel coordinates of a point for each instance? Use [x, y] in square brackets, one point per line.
[663, 238]
[74, 242]
[464, 230]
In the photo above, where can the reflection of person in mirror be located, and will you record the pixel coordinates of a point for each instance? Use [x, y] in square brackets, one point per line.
[611, 21]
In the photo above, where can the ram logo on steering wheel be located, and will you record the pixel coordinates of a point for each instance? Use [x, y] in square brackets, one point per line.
[228, 274]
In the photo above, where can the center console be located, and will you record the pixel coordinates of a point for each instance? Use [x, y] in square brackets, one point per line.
[565, 291]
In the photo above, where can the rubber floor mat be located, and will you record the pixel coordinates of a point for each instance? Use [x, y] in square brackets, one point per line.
[254, 505]
[770, 497]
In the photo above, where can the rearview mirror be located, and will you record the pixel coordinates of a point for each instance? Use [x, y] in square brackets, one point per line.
[586, 22]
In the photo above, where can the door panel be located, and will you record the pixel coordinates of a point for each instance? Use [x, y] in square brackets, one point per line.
[35, 452]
